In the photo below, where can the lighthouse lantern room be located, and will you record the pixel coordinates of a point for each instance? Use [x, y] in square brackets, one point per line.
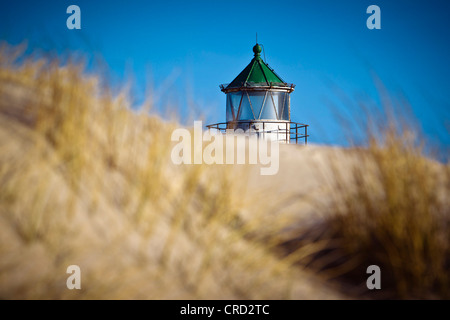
[258, 102]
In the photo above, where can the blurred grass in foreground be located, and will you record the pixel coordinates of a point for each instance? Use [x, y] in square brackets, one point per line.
[86, 180]
[388, 206]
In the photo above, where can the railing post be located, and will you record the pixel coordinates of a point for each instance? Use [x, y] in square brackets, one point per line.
[306, 135]
[264, 130]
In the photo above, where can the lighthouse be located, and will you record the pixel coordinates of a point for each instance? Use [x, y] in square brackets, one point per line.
[258, 102]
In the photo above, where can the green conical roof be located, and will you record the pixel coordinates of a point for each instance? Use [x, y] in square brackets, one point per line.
[257, 73]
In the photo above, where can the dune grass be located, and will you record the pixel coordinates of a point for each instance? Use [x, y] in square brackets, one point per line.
[87, 180]
[387, 206]
[396, 215]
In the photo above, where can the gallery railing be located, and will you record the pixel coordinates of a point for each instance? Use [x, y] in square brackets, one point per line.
[290, 132]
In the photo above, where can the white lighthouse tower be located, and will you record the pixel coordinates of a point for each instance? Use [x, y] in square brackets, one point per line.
[258, 102]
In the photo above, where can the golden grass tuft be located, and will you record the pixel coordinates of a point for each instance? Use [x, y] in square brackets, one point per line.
[396, 215]
[387, 205]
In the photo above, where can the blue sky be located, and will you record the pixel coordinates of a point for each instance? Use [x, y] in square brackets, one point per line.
[185, 49]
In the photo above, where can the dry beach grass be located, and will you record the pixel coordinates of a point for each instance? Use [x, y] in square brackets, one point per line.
[86, 180]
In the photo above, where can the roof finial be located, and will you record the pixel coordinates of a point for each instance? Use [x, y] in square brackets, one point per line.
[257, 51]
[257, 38]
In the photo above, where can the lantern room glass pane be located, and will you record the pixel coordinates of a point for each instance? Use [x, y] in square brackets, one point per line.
[246, 109]
[257, 99]
[254, 101]
[278, 101]
[233, 100]
[283, 105]
[268, 112]
[229, 106]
